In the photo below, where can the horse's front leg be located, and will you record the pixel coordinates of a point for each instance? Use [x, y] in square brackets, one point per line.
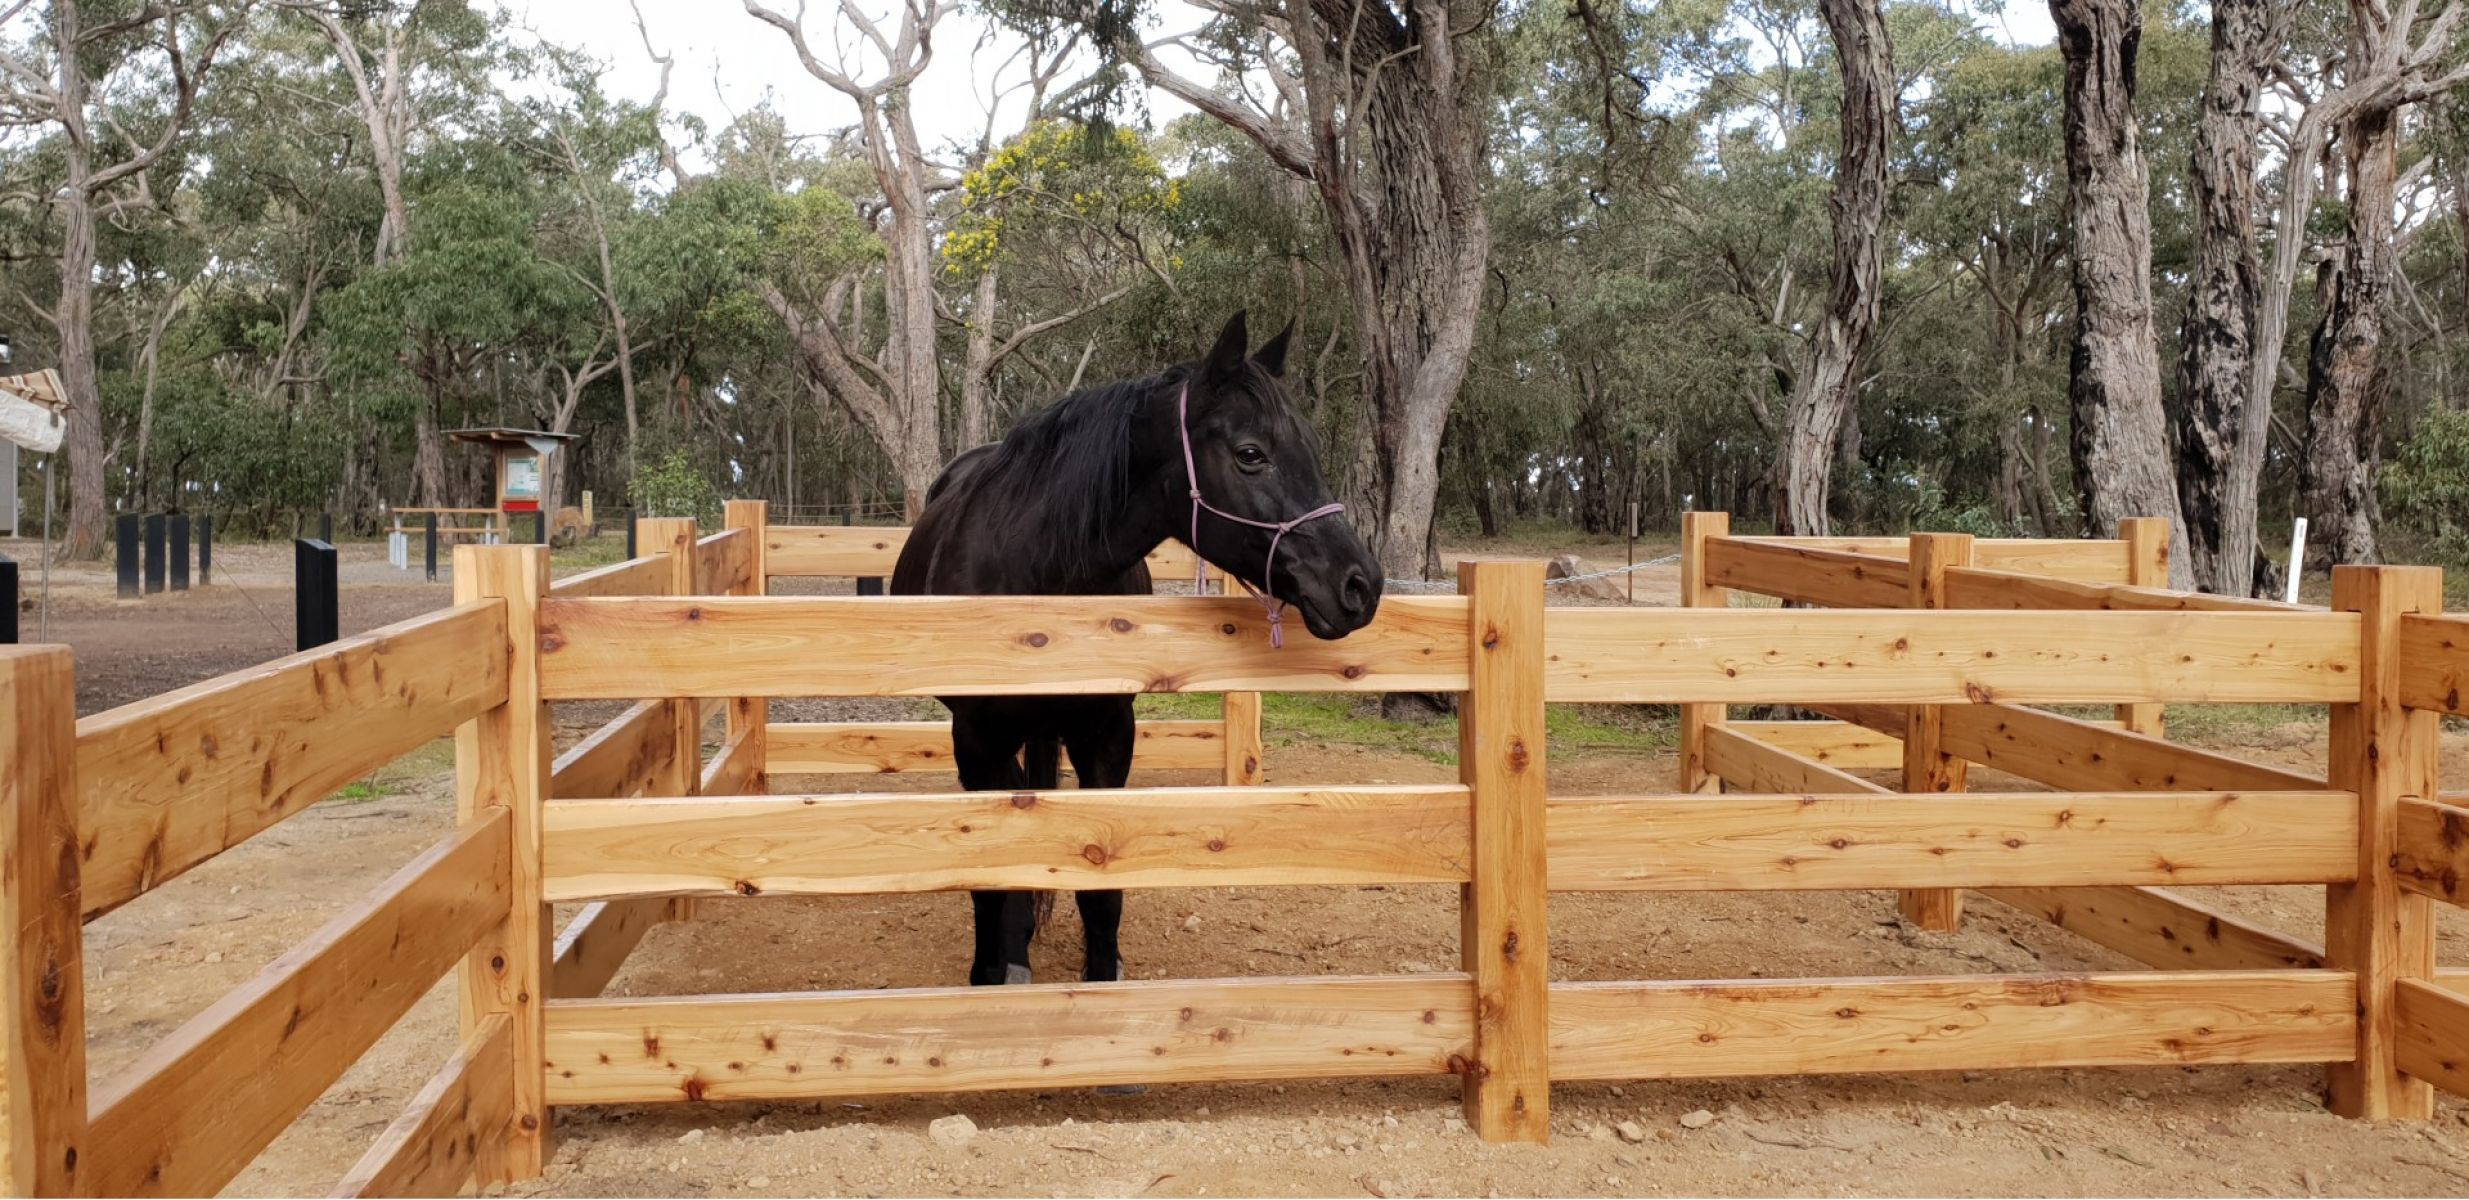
[988, 759]
[1101, 753]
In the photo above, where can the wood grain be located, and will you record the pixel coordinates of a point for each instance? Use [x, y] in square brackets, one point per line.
[975, 646]
[594, 945]
[749, 718]
[1928, 766]
[437, 1147]
[1750, 765]
[734, 771]
[1827, 578]
[1244, 753]
[1693, 1030]
[620, 758]
[1838, 744]
[46, 1149]
[1503, 907]
[1991, 588]
[827, 550]
[172, 781]
[1100, 838]
[1615, 655]
[1031, 1036]
[646, 576]
[896, 747]
[2434, 657]
[2096, 560]
[502, 761]
[2430, 850]
[723, 562]
[2066, 752]
[1690, 842]
[2162, 929]
[2432, 1030]
[1697, 591]
[193, 1110]
[2383, 751]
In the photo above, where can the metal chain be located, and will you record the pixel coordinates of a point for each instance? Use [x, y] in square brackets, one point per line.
[1411, 584]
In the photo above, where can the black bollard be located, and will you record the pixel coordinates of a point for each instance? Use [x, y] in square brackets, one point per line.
[540, 527]
[154, 554]
[325, 528]
[127, 558]
[8, 601]
[432, 551]
[205, 550]
[871, 585]
[317, 611]
[180, 552]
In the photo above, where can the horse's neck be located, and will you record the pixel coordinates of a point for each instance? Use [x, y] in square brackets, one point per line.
[1148, 516]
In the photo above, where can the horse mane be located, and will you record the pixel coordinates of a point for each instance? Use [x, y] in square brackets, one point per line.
[1067, 468]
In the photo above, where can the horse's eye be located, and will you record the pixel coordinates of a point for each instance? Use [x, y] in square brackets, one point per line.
[1251, 456]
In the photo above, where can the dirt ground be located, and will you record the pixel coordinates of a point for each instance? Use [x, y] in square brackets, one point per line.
[2164, 1131]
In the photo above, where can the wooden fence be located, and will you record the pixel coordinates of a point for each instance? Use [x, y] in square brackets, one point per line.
[1231, 745]
[636, 826]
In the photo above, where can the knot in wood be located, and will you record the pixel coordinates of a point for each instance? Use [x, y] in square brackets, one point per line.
[746, 887]
[1120, 625]
[1024, 800]
[1095, 853]
[1519, 756]
[1035, 641]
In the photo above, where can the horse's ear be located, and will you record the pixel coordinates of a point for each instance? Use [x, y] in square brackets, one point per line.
[1272, 353]
[1226, 357]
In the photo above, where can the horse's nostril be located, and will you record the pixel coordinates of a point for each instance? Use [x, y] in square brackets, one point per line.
[1357, 591]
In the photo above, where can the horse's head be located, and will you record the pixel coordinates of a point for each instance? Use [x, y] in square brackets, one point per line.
[1256, 462]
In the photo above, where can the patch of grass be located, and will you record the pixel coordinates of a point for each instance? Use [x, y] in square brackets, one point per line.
[2233, 723]
[359, 792]
[1334, 719]
[585, 553]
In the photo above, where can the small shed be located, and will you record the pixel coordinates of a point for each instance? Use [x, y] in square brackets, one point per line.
[522, 456]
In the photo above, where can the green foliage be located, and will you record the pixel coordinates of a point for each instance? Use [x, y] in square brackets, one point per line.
[675, 487]
[2426, 485]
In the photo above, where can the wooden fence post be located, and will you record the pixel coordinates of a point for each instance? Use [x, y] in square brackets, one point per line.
[749, 718]
[1507, 1086]
[501, 760]
[2384, 751]
[1243, 746]
[1926, 765]
[2147, 565]
[675, 537]
[43, 1007]
[1695, 528]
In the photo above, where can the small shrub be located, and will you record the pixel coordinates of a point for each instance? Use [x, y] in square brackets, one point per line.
[2426, 486]
[674, 488]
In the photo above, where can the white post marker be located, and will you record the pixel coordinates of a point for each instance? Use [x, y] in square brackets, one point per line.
[2297, 557]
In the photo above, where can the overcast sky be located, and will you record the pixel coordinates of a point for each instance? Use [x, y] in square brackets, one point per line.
[728, 61]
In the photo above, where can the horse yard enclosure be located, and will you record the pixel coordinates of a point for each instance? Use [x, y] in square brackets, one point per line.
[634, 822]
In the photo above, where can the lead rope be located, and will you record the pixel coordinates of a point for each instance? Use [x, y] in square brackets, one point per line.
[1200, 567]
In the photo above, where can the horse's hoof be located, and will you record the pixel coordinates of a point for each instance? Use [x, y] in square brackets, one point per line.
[1124, 1089]
[1121, 973]
[1015, 973]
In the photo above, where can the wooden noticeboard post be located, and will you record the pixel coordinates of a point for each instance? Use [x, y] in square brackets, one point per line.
[522, 465]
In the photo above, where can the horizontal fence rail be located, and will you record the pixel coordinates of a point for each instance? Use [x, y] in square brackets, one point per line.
[1102, 838]
[1947, 657]
[976, 646]
[172, 781]
[1746, 842]
[719, 1048]
[2086, 561]
[1704, 1030]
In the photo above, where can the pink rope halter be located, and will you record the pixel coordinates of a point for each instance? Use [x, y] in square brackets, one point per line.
[1200, 570]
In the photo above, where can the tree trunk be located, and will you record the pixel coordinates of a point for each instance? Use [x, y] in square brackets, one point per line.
[2345, 379]
[1823, 395]
[75, 314]
[2223, 424]
[977, 376]
[2121, 435]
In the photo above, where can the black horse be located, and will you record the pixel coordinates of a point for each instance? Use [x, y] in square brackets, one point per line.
[1071, 504]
